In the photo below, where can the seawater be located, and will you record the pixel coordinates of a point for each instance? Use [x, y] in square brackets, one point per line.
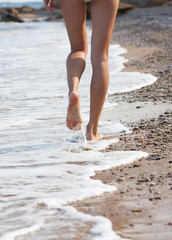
[19, 3]
[44, 167]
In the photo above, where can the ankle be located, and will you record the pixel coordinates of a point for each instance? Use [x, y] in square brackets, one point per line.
[91, 129]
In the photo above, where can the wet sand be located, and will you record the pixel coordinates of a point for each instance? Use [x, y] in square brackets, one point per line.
[141, 208]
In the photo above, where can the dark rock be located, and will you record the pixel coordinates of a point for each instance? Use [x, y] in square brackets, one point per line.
[155, 198]
[26, 9]
[144, 180]
[13, 11]
[135, 128]
[7, 17]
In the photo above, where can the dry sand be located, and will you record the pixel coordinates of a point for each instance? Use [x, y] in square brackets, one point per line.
[141, 208]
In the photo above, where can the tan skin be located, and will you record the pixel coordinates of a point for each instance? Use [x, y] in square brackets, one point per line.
[103, 14]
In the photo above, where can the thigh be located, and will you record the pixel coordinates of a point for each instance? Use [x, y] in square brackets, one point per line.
[74, 13]
[103, 15]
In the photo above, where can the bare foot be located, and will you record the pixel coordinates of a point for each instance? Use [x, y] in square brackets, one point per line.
[91, 136]
[73, 119]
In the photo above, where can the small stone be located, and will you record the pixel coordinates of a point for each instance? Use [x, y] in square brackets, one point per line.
[87, 149]
[155, 156]
[167, 113]
[155, 198]
[158, 198]
[157, 193]
[136, 165]
[170, 223]
[138, 107]
[144, 179]
[133, 177]
[169, 161]
[150, 199]
[120, 179]
[137, 138]
[122, 192]
[135, 129]
[152, 184]
[136, 210]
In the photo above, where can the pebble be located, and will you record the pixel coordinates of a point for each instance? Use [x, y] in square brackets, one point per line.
[137, 138]
[122, 192]
[157, 193]
[135, 128]
[136, 210]
[170, 223]
[120, 179]
[136, 165]
[133, 177]
[144, 179]
[155, 156]
[152, 184]
[155, 198]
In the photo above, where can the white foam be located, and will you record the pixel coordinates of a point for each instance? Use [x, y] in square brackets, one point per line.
[102, 229]
[130, 80]
[44, 165]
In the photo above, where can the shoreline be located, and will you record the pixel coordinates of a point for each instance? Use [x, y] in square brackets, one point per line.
[141, 207]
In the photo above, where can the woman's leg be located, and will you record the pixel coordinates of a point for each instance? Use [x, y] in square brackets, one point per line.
[103, 18]
[74, 13]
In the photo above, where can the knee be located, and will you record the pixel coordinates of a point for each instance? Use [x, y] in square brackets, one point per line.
[98, 59]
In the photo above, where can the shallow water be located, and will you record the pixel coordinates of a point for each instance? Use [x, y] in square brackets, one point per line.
[45, 166]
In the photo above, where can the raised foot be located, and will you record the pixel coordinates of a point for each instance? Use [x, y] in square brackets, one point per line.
[73, 119]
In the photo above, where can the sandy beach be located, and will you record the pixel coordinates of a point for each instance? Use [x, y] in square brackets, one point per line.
[141, 208]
